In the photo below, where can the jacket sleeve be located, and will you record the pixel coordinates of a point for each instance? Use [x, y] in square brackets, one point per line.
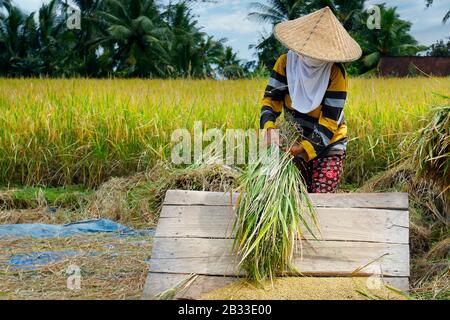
[276, 90]
[328, 129]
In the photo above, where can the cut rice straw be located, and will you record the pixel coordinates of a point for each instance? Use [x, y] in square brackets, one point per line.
[274, 210]
[170, 293]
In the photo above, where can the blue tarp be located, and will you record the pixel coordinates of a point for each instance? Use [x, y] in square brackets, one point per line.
[35, 259]
[39, 230]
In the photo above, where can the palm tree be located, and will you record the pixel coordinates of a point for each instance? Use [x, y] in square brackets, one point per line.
[347, 11]
[193, 52]
[393, 39]
[56, 45]
[138, 35]
[208, 55]
[18, 40]
[186, 37]
[229, 65]
[276, 11]
[35, 48]
[124, 38]
[87, 48]
[268, 50]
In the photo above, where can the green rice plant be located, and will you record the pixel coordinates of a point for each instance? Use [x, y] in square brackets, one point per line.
[274, 211]
[56, 132]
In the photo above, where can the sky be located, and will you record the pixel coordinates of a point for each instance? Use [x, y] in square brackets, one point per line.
[229, 19]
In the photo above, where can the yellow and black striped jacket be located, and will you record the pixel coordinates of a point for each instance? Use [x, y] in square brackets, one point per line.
[324, 130]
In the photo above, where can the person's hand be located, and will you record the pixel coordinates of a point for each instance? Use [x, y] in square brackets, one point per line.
[272, 137]
[297, 149]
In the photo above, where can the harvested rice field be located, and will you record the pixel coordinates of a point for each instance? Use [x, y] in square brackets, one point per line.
[110, 267]
[304, 288]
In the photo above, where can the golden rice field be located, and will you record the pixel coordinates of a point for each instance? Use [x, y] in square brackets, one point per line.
[56, 132]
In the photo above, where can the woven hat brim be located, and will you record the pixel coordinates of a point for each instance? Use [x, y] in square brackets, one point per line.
[318, 35]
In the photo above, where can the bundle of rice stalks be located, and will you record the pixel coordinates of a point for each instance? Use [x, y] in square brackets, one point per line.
[273, 212]
[432, 150]
[424, 173]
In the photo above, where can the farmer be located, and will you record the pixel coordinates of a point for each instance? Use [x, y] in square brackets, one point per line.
[310, 85]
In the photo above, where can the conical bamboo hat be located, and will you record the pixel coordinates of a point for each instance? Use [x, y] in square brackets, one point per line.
[318, 35]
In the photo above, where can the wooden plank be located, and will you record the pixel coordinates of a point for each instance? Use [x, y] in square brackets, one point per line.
[160, 282]
[357, 229]
[335, 200]
[326, 258]
[401, 283]
[376, 225]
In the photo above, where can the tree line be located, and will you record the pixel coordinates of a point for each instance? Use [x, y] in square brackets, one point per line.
[146, 38]
[133, 38]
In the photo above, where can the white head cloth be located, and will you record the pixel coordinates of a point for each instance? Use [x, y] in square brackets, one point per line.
[307, 81]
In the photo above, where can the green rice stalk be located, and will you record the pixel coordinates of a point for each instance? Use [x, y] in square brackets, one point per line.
[273, 213]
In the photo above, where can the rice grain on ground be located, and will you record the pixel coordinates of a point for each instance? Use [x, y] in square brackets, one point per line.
[303, 288]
